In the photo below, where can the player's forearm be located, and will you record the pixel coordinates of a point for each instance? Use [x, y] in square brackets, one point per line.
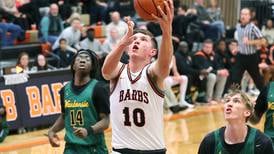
[101, 125]
[112, 61]
[58, 125]
[165, 55]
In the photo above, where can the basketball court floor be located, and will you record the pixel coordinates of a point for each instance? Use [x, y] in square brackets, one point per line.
[183, 133]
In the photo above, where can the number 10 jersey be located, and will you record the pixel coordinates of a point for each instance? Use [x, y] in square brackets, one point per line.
[136, 106]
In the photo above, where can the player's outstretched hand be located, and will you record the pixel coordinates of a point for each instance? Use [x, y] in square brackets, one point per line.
[80, 132]
[128, 38]
[53, 139]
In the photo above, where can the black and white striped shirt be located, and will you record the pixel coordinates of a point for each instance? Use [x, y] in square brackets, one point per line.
[251, 32]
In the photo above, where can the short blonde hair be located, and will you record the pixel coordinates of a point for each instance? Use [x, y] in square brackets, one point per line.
[234, 90]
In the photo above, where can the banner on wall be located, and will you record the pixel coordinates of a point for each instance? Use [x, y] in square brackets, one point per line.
[36, 102]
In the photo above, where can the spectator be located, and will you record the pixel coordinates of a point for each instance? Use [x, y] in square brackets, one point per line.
[215, 14]
[177, 78]
[231, 61]
[91, 43]
[63, 56]
[237, 136]
[181, 22]
[217, 77]
[172, 102]
[211, 29]
[12, 15]
[51, 25]
[41, 64]
[116, 22]
[14, 30]
[267, 64]
[22, 64]
[112, 41]
[72, 35]
[97, 11]
[249, 37]
[184, 64]
[4, 129]
[268, 31]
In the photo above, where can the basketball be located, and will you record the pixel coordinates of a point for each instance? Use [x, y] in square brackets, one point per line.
[145, 8]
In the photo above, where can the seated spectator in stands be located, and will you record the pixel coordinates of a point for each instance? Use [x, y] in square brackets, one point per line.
[268, 31]
[221, 56]
[217, 77]
[185, 67]
[112, 41]
[22, 65]
[64, 55]
[214, 12]
[4, 129]
[212, 30]
[15, 31]
[72, 34]
[9, 10]
[91, 43]
[41, 64]
[7, 13]
[181, 22]
[97, 11]
[231, 61]
[267, 64]
[172, 102]
[116, 22]
[175, 79]
[51, 25]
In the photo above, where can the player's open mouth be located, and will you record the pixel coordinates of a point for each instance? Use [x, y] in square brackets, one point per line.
[228, 110]
[135, 47]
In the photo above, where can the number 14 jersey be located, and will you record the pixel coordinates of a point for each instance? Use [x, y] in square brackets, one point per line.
[136, 106]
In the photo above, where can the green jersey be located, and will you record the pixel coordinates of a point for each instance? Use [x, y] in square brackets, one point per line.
[269, 122]
[247, 149]
[4, 131]
[80, 111]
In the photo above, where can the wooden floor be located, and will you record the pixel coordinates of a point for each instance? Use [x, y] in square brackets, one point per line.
[183, 133]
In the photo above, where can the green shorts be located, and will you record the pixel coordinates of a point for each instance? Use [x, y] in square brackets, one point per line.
[84, 149]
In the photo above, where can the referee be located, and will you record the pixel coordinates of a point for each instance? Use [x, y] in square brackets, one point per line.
[249, 36]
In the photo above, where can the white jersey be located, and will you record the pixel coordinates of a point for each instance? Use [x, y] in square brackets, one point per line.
[136, 107]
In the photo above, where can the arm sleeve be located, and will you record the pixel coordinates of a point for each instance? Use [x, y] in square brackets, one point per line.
[101, 98]
[207, 145]
[257, 32]
[261, 103]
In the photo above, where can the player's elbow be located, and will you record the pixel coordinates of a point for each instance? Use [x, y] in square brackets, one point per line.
[106, 73]
[107, 122]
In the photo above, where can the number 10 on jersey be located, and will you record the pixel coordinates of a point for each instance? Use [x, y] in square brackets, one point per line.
[138, 117]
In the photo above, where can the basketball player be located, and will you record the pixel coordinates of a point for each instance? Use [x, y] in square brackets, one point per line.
[265, 103]
[4, 129]
[85, 109]
[236, 137]
[136, 100]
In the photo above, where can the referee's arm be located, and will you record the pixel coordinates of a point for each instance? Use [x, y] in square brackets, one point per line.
[257, 42]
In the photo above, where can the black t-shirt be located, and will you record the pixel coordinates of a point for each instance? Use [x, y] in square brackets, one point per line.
[100, 96]
[261, 102]
[263, 144]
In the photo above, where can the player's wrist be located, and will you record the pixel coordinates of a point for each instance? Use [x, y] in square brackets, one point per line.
[90, 130]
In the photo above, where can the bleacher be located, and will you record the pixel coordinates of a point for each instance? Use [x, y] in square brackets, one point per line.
[9, 55]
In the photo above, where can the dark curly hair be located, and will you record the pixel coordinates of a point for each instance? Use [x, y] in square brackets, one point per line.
[94, 62]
